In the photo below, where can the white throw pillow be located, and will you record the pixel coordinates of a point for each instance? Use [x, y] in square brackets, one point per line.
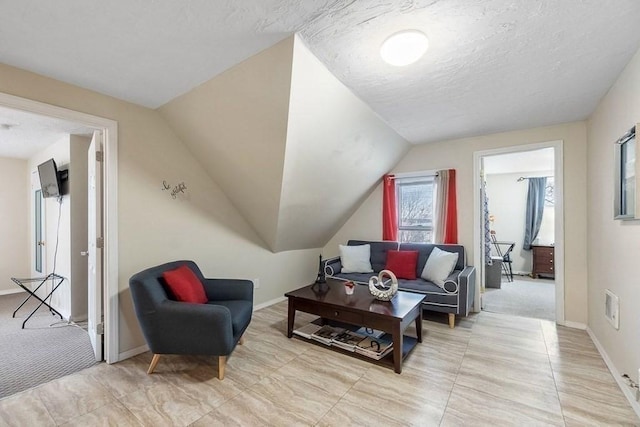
[356, 259]
[439, 266]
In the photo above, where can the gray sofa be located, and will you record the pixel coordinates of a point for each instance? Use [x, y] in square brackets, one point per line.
[459, 289]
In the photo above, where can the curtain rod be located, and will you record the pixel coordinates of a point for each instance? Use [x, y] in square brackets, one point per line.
[414, 174]
[522, 178]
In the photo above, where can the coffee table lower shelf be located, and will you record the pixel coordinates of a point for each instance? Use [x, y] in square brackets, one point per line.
[408, 344]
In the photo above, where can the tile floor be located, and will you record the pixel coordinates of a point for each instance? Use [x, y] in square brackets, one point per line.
[492, 369]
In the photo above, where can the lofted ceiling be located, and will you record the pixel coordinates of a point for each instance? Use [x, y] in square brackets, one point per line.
[492, 65]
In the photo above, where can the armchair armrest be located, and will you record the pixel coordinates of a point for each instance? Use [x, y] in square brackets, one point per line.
[332, 266]
[178, 327]
[228, 289]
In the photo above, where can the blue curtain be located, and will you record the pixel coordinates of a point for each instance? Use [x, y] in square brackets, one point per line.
[535, 208]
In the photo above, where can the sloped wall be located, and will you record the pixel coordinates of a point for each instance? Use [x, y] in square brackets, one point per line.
[294, 150]
[337, 150]
[236, 126]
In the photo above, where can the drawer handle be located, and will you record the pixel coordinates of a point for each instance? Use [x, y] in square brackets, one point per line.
[336, 314]
[551, 261]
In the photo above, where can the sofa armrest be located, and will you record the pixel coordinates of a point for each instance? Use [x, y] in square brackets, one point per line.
[228, 289]
[467, 283]
[332, 266]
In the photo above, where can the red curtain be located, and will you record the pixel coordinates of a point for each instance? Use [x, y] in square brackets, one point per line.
[389, 209]
[451, 214]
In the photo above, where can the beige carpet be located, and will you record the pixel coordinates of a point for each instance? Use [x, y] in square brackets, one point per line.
[524, 297]
[45, 350]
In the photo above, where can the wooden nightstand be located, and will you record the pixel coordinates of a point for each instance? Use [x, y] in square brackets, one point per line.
[543, 256]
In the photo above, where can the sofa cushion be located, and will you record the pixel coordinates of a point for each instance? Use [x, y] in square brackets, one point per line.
[185, 285]
[356, 259]
[439, 266]
[378, 252]
[425, 249]
[402, 264]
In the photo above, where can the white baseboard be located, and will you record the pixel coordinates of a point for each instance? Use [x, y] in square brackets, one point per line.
[630, 395]
[574, 325]
[268, 303]
[11, 291]
[133, 352]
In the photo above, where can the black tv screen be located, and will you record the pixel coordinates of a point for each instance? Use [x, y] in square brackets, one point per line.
[49, 179]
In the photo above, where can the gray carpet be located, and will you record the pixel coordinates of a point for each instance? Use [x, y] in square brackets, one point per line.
[522, 297]
[45, 350]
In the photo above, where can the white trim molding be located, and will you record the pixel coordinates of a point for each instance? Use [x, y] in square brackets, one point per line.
[268, 303]
[133, 352]
[110, 129]
[12, 291]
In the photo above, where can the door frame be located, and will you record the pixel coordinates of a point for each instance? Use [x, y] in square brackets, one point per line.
[478, 241]
[110, 204]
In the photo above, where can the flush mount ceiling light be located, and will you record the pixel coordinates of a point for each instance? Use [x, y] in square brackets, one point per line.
[404, 47]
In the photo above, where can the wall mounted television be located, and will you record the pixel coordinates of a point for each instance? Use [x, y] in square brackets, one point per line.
[50, 179]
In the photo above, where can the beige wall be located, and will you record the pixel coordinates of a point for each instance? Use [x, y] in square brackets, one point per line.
[613, 245]
[14, 222]
[155, 228]
[366, 223]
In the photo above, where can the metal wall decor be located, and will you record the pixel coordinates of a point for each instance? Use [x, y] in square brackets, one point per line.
[379, 289]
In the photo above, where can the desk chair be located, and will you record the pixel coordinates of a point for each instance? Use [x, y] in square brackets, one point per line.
[504, 249]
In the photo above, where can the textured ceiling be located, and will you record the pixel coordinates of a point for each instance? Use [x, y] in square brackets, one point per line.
[24, 134]
[492, 65]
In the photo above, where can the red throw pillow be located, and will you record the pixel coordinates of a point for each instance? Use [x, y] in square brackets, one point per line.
[185, 285]
[403, 264]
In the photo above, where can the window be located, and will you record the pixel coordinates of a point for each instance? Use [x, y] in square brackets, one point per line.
[415, 198]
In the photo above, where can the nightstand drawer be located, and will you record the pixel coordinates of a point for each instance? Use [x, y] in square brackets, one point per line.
[543, 261]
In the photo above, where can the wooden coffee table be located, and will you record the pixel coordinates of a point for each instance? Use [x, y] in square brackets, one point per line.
[331, 303]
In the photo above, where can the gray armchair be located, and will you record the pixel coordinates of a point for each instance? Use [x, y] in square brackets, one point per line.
[174, 327]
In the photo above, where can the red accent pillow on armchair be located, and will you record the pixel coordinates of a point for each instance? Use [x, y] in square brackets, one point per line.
[185, 285]
[403, 264]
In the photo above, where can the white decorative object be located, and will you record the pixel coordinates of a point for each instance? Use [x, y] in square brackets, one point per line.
[379, 289]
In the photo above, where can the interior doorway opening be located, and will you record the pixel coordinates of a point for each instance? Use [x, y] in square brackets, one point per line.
[106, 328]
[519, 229]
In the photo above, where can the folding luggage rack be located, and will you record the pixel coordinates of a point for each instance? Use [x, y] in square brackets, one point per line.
[55, 279]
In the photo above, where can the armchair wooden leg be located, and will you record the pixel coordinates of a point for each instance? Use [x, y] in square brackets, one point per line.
[222, 361]
[241, 341]
[452, 320]
[154, 362]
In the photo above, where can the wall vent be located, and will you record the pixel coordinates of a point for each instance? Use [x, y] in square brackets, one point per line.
[612, 308]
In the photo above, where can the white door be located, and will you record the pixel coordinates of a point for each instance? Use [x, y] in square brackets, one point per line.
[95, 239]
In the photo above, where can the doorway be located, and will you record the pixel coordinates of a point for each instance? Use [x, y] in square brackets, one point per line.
[109, 275]
[509, 257]
[518, 193]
